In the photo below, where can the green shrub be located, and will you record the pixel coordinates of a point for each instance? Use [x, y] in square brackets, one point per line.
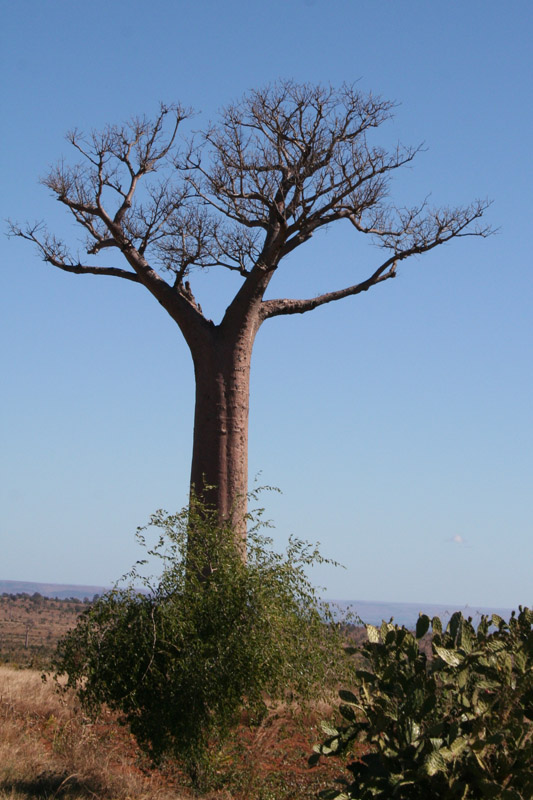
[210, 637]
[458, 725]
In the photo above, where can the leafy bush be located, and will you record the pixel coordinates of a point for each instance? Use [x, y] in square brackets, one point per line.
[210, 637]
[458, 725]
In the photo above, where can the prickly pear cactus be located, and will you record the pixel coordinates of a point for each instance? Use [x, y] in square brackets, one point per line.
[455, 725]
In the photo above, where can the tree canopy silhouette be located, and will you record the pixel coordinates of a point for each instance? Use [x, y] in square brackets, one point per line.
[241, 195]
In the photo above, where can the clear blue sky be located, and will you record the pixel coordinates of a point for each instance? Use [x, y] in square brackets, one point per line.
[399, 423]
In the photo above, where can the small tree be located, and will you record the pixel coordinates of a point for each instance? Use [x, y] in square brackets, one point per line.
[279, 166]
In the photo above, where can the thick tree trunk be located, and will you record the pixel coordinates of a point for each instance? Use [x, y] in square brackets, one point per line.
[219, 472]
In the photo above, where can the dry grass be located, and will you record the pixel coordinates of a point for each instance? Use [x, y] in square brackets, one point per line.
[49, 750]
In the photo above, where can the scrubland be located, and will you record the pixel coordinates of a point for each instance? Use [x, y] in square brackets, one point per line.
[468, 708]
[49, 749]
[31, 626]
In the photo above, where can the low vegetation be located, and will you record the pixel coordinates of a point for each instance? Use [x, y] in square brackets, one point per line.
[211, 639]
[211, 681]
[457, 725]
[51, 750]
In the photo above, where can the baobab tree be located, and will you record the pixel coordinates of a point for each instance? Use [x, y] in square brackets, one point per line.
[278, 166]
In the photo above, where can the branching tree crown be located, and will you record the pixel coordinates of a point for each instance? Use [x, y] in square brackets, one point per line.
[241, 195]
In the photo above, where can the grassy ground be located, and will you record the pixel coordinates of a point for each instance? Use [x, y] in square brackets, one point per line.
[48, 749]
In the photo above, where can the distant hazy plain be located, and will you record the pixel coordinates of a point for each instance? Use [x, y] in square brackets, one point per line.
[369, 612]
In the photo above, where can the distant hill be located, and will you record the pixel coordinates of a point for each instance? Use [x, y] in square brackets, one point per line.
[370, 612]
[59, 590]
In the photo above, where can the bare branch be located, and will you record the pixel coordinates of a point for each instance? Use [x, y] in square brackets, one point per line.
[283, 149]
[280, 165]
[276, 308]
[54, 252]
[418, 234]
[114, 163]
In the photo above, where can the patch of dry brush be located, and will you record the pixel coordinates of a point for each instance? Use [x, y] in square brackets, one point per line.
[48, 749]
